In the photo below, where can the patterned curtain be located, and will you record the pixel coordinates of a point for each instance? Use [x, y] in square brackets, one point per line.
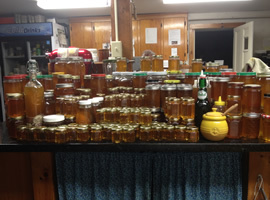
[146, 176]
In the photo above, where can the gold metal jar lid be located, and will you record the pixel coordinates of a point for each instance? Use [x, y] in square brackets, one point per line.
[64, 85]
[235, 83]
[64, 76]
[14, 95]
[174, 56]
[157, 56]
[193, 128]
[252, 86]
[181, 127]
[145, 57]
[234, 116]
[88, 76]
[76, 77]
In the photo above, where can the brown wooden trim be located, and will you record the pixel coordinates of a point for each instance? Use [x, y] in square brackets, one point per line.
[161, 16]
[89, 19]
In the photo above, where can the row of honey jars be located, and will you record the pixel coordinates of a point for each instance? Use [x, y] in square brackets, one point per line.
[152, 64]
[125, 100]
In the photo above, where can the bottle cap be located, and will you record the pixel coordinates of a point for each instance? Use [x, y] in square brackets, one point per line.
[219, 102]
[202, 75]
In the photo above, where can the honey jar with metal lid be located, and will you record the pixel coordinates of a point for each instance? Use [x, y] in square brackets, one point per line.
[87, 81]
[146, 63]
[82, 134]
[15, 104]
[50, 134]
[153, 95]
[235, 126]
[179, 133]
[157, 63]
[71, 135]
[63, 89]
[96, 134]
[116, 135]
[174, 63]
[184, 90]
[192, 134]
[64, 78]
[60, 135]
[12, 124]
[250, 126]
[251, 101]
[76, 80]
[145, 134]
[265, 128]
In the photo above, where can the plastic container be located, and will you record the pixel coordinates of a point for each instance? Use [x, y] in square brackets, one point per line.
[53, 120]
[167, 90]
[219, 105]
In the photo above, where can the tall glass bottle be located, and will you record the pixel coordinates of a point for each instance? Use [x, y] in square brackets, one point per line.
[34, 96]
[202, 105]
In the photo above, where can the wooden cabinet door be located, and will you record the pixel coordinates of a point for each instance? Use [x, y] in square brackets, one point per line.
[175, 24]
[135, 38]
[102, 33]
[81, 35]
[151, 23]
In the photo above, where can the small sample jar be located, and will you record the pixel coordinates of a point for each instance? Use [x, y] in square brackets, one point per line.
[246, 77]
[174, 63]
[68, 107]
[145, 117]
[82, 134]
[60, 64]
[84, 113]
[250, 125]
[192, 134]
[167, 90]
[98, 84]
[13, 123]
[21, 133]
[232, 100]
[157, 63]
[48, 82]
[15, 104]
[30, 134]
[153, 96]
[145, 134]
[197, 65]
[64, 89]
[188, 122]
[70, 119]
[211, 67]
[121, 64]
[129, 134]
[184, 90]
[64, 78]
[139, 80]
[263, 79]
[179, 133]
[265, 128]
[170, 133]
[60, 135]
[219, 87]
[266, 108]
[71, 134]
[188, 108]
[49, 106]
[251, 101]
[96, 134]
[12, 84]
[50, 134]
[235, 126]
[39, 134]
[53, 120]
[235, 88]
[116, 135]
[145, 63]
[76, 80]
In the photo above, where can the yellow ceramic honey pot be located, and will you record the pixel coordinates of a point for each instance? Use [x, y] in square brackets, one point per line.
[214, 126]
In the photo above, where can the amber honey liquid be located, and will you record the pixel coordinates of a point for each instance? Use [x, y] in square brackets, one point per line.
[145, 65]
[174, 65]
[121, 65]
[157, 65]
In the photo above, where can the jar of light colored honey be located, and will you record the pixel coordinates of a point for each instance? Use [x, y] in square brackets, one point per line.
[15, 105]
[20, 131]
[76, 80]
[263, 79]
[179, 134]
[48, 82]
[251, 101]
[250, 125]
[211, 67]
[12, 84]
[139, 80]
[59, 105]
[219, 87]
[188, 108]
[55, 79]
[246, 77]
[64, 78]
[174, 63]
[64, 89]
[68, 107]
[153, 96]
[232, 100]
[82, 134]
[84, 112]
[60, 64]
[98, 84]
[197, 65]
[184, 90]
[157, 63]
[145, 117]
[49, 107]
[121, 64]
[167, 90]
[145, 63]
[175, 110]
[235, 126]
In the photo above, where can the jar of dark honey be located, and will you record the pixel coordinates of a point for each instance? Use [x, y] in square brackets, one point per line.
[96, 134]
[191, 77]
[84, 112]
[251, 101]
[219, 87]
[21, 134]
[250, 125]
[192, 134]
[48, 82]
[174, 63]
[157, 130]
[139, 80]
[50, 134]
[64, 89]
[188, 122]
[167, 90]
[157, 63]
[60, 135]
[235, 88]
[39, 134]
[68, 107]
[145, 134]
[145, 63]
[263, 79]
[15, 105]
[13, 123]
[153, 96]
[71, 135]
[70, 119]
[266, 108]
[170, 133]
[231, 75]
[246, 77]
[98, 84]
[82, 134]
[184, 90]
[116, 135]
[76, 80]
[53, 120]
[179, 135]
[55, 79]
[49, 107]
[235, 126]
[110, 83]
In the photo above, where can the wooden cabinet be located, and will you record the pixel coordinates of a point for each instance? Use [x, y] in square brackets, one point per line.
[81, 35]
[102, 34]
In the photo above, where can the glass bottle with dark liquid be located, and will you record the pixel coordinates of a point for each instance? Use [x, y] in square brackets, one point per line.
[202, 105]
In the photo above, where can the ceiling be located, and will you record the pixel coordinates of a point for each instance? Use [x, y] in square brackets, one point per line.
[10, 7]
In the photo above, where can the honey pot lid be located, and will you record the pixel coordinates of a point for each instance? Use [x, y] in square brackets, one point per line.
[214, 115]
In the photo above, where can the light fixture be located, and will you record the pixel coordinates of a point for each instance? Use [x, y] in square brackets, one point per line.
[197, 1]
[72, 4]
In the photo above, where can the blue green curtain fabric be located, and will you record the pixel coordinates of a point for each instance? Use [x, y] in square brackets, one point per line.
[157, 176]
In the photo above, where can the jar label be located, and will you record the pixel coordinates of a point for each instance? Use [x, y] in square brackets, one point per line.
[202, 94]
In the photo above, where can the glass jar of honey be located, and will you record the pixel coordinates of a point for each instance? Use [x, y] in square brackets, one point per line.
[187, 108]
[211, 67]
[219, 87]
[235, 88]
[266, 108]
[49, 107]
[87, 81]
[64, 78]
[197, 65]
[175, 111]
[48, 82]
[232, 100]
[145, 134]
[39, 134]
[265, 128]
[251, 101]
[60, 64]
[59, 105]
[68, 107]
[98, 84]
[192, 134]
[167, 90]
[174, 63]
[13, 123]
[20, 131]
[184, 90]
[53, 120]
[84, 113]
[71, 135]
[263, 79]
[246, 77]
[145, 63]
[110, 83]
[188, 122]
[82, 134]
[157, 63]
[129, 135]
[139, 80]
[125, 79]
[235, 126]
[121, 64]
[179, 134]
[15, 105]
[70, 119]
[75, 66]
[153, 96]
[231, 75]
[50, 134]
[55, 79]
[60, 135]
[96, 134]
[250, 125]
[12, 84]
[64, 89]
[116, 135]
[191, 77]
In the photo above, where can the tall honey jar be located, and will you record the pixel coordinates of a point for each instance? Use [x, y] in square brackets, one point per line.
[175, 110]
[87, 81]
[192, 134]
[84, 112]
[139, 80]
[121, 64]
[98, 84]
[184, 90]
[110, 83]
[153, 96]
[68, 107]
[96, 134]
[15, 105]
[174, 63]
[266, 108]
[75, 66]
[246, 77]
[179, 134]
[265, 127]
[251, 101]
[12, 84]
[83, 134]
[188, 108]
[219, 87]
[235, 126]
[157, 63]
[29, 134]
[64, 78]
[167, 90]
[64, 89]
[263, 79]
[60, 64]
[197, 65]
[145, 63]
[235, 88]
[232, 100]
[48, 82]
[49, 107]
[250, 125]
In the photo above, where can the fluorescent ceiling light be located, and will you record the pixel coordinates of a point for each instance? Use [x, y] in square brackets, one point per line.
[196, 1]
[72, 4]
